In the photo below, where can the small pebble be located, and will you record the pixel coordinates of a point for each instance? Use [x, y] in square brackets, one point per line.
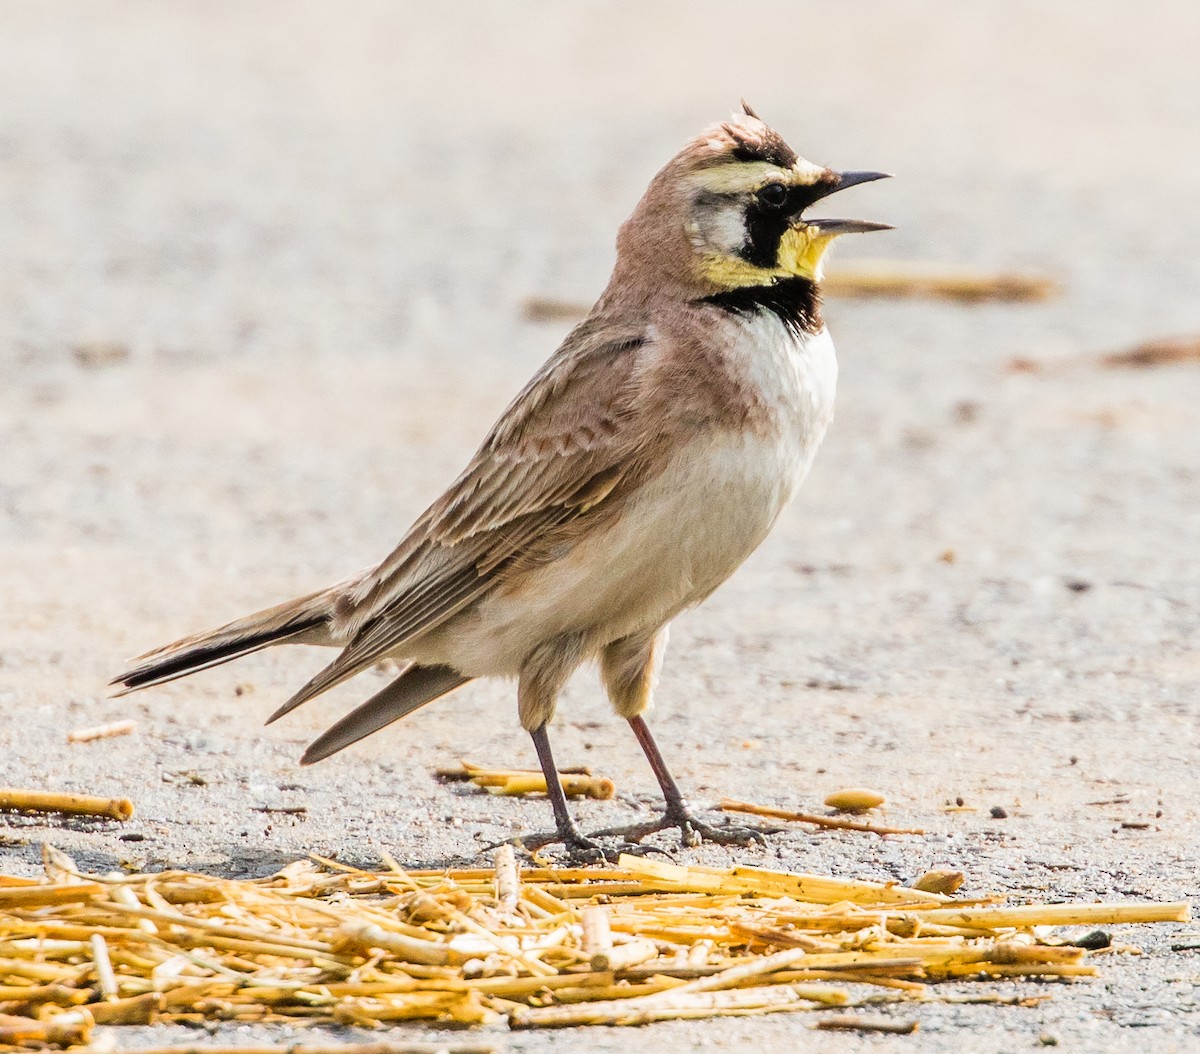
[1093, 941]
[939, 881]
[999, 813]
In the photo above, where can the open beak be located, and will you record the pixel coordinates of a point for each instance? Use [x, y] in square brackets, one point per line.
[832, 227]
[840, 181]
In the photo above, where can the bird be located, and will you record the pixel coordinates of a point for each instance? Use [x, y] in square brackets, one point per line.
[641, 465]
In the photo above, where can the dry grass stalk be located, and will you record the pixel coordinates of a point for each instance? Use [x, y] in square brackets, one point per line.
[597, 935]
[915, 988]
[832, 822]
[543, 900]
[42, 995]
[105, 978]
[1151, 354]
[622, 956]
[1165, 352]
[41, 896]
[1029, 915]
[108, 731]
[576, 783]
[649, 941]
[466, 771]
[617, 990]
[507, 884]
[598, 787]
[743, 971]
[552, 309]
[67, 1029]
[665, 1007]
[816, 889]
[845, 1023]
[888, 278]
[18, 800]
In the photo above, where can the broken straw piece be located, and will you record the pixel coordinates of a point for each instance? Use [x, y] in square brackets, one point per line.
[597, 935]
[576, 782]
[854, 799]
[108, 731]
[835, 823]
[508, 884]
[19, 800]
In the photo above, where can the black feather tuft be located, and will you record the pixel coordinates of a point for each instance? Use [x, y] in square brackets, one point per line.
[795, 301]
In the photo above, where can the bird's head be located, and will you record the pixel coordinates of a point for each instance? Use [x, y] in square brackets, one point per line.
[728, 212]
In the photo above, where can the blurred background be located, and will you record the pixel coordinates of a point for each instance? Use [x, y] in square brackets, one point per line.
[261, 293]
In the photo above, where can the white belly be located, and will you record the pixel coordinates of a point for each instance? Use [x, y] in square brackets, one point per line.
[686, 532]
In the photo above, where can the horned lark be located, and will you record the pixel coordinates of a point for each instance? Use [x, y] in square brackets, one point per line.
[638, 468]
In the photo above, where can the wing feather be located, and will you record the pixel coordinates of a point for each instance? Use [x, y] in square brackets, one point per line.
[560, 449]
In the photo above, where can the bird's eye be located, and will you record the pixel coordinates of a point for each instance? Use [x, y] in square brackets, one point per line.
[773, 195]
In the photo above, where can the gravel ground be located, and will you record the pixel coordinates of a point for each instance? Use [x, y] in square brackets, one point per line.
[260, 295]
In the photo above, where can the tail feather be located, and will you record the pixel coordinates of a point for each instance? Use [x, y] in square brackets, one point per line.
[303, 620]
[201, 658]
[415, 687]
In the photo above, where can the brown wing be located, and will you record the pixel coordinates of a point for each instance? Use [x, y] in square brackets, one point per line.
[559, 449]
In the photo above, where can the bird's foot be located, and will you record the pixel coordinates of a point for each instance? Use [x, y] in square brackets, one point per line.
[692, 830]
[581, 850]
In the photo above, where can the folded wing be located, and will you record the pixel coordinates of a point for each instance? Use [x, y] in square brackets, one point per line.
[565, 444]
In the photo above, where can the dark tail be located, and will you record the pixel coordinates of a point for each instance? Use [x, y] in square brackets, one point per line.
[305, 620]
[415, 687]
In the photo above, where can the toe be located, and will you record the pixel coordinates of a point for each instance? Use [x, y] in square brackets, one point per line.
[634, 833]
[694, 831]
[742, 836]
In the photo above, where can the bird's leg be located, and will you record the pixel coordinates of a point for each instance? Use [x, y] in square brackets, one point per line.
[568, 832]
[692, 829]
[578, 845]
[630, 667]
[542, 676]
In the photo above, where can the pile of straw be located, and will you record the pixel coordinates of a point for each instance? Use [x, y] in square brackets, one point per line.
[323, 943]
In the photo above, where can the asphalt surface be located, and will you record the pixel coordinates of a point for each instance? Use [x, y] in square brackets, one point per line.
[260, 296]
